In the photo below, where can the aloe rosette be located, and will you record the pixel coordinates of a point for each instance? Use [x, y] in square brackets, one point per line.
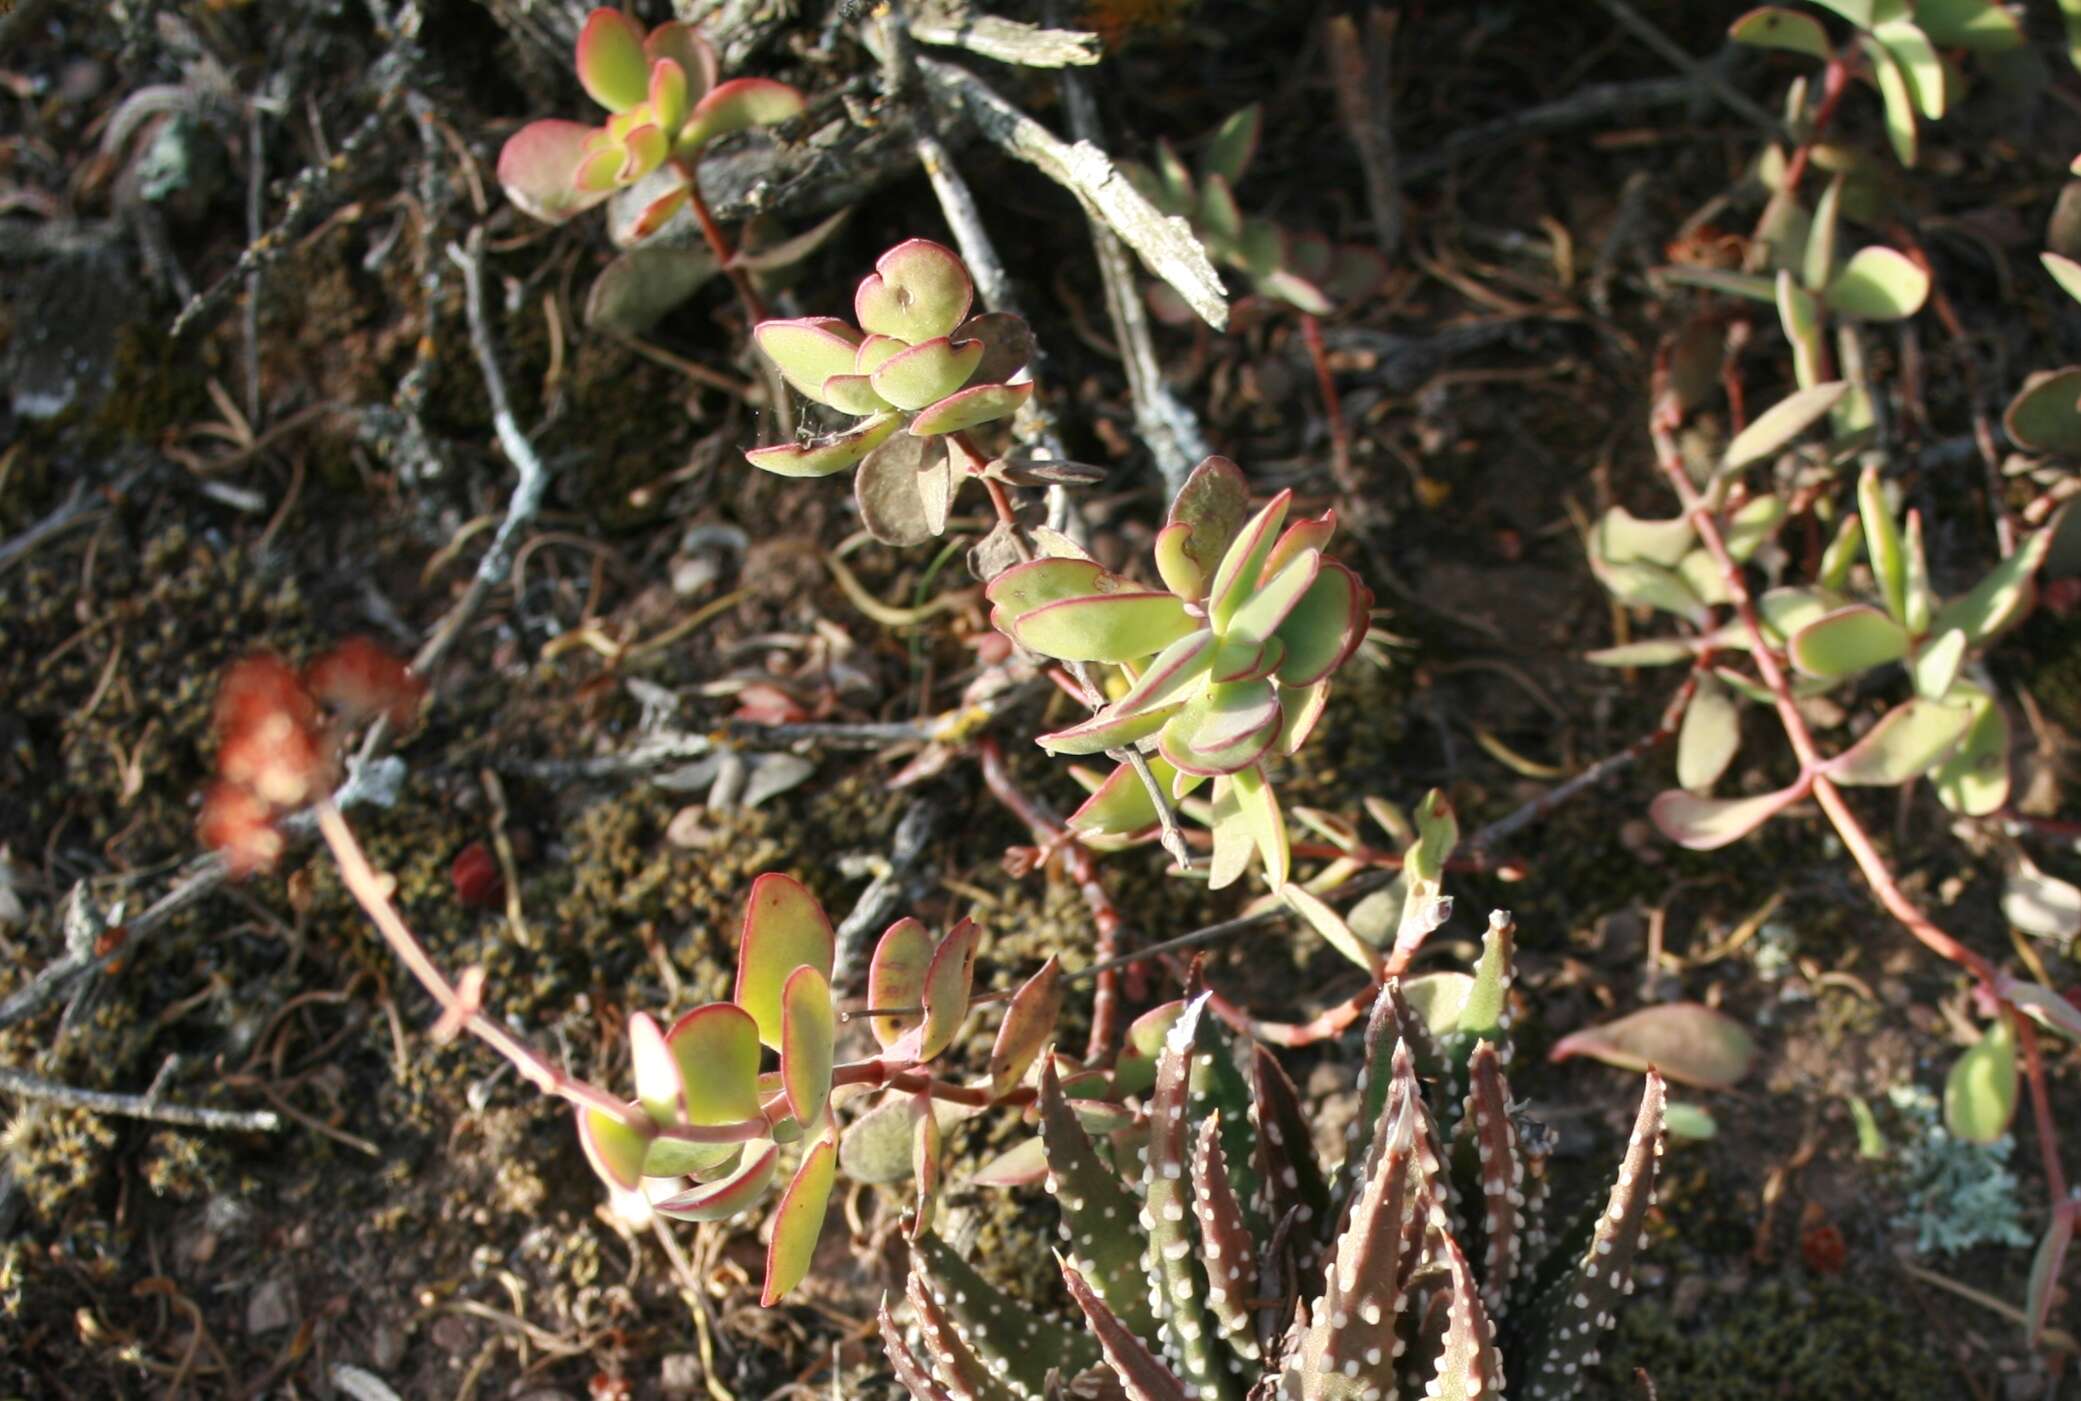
[916, 373]
[705, 1136]
[1226, 668]
[665, 104]
[1212, 1255]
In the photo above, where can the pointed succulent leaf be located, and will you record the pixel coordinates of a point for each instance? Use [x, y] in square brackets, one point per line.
[917, 292]
[1331, 926]
[1118, 807]
[1799, 313]
[1906, 740]
[1233, 844]
[1574, 1318]
[896, 978]
[905, 490]
[1301, 535]
[1488, 1153]
[970, 1376]
[738, 105]
[1980, 1091]
[615, 1144]
[969, 408]
[1233, 144]
[809, 1032]
[1879, 284]
[2065, 271]
[1239, 570]
[1710, 736]
[1115, 627]
[1098, 1211]
[1302, 708]
[1218, 220]
[1210, 507]
[538, 170]
[1707, 824]
[1687, 1041]
[1260, 806]
[1141, 1374]
[611, 63]
[1778, 425]
[798, 1221]
[1271, 602]
[1028, 1026]
[784, 929]
[1847, 641]
[915, 1375]
[947, 982]
[927, 372]
[1974, 780]
[716, 1048]
[1484, 1014]
[1920, 63]
[1817, 266]
[1016, 1344]
[1232, 713]
[727, 1196]
[1286, 1161]
[1167, 680]
[1936, 665]
[1746, 531]
[1227, 1246]
[2001, 598]
[1897, 97]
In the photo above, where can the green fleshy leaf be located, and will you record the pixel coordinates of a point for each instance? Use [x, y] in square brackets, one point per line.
[1936, 665]
[1980, 1091]
[1919, 63]
[1779, 425]
[1324, 627]
[784, 929]
[1747, 530]
[1204, 518]
[1842, 553]
[1907, 740]
[1753, 286]
[1233, 144]
[1848, 641]
[1241, 565]
[2002, 596]
[1108, 730]
[1623, 538]
[798, 1221]
[1171, 675]
[2065, 271]
[809, 350]
[927, 372]
[1898, 99]
[1655, 651]
[538, 169]
[1976, 25]
[1786, 610]
[877, 1146]
[917, 292]
[853, 394]
[612, 66]
[896, 978]
[1774, 28]
[634, 292]
[615, 1145]
[738, 105]
[1706, 824]
[1882, 542]
[1116, 627]
[1879, 284]
[970, 408]
[1817, 267]
[2041, 905]
[808, 1036]
[725, 1197]
[1260, 809]
[716, 1047]
[1266, 609]
[827, 456]
[1687, 1041]
[2046, 415]
[1709, 738]
[1974, 781]
[1641, 585]
[1799, 312]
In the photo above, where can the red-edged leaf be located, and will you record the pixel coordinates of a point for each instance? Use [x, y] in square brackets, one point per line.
[1028, 1026]
[784, 929]
[947, 981]
[978, 404]
[538, 170]
[725, 1197]
[896, 978]
[736, 105]
[798, 1221]
[1138, 1369]
[1116, 627]
[1706, 824]
[809, 1031]
[683, 44]
[615, 1146]
[611, 62]
[918, 290]
[1686, 1041]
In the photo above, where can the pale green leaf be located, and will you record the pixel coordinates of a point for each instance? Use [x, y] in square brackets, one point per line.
[1980, 1092]
[1774, 28]
[1686, 1041]
[1879, 284]
[1709, 738]
[2044, 417]
[1706, 824]
[1847, 641]
[1882, 543]
[784, 929]
[798, 1221]
[1780, 424]
[1116, 627]
[1907, 740]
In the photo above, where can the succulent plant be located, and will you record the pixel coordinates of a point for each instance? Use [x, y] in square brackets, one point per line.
[666, 104]
[1834, 631]
[703, 1138]
[1229, 1264]
[1225, 668]
[1302, 270]
[917, 373]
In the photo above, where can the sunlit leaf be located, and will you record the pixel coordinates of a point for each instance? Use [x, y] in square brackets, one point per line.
[918, 291]
[784, 929]
[1260, 808]
[1241, 565]
[2043, 417]
[1847, 641]
[809, 1032]
[538, 170]
[737, 105]
[725, 1197]
[2065, 271]
[1897, 99]
[2002, 596]
[2040, 904]
[1906, 740]
[1879, 284]
[1330, 925]
[1774, 28]
[1978, 25]
[1935, 666]
[1710, 736]
[1799, 312]
[1706, 824]
[716, 1047]
[1980, 1091]
[1105, 628]
[948, 979]
[1023, 1165]
[927, 372]
[612, 66]
[1781, 423]
[615, 1145]
[798, 1221]
[971, 407]
[825, 456]
[1657, 651]
[1686, 1041]
[1919, 63]
[1622, 537]
[1975, 779]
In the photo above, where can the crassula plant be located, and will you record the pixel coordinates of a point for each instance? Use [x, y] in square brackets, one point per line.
[1213, 1256]
[665, 104]
[916, 374]
[1222, 671]
[1301, 270]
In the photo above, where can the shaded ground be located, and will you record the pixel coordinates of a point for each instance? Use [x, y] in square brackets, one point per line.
[262, 483]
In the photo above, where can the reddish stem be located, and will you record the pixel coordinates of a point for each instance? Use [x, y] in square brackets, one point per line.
[1835, 81]
[1332, 405]
[718, 242]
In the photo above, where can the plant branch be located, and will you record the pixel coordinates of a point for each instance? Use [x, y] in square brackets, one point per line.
[16, 1082]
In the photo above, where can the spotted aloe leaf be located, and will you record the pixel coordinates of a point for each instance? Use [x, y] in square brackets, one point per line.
[1490, 1164]
[538, 169]
[612, 66]
[1028, 1026]
[1114, 627]
[1686, 1041]
[738, 105]
[1016, 1344]
[727, 1196]
[1098, 1211]
[798, 1221]
[896, 978]
[1139, 1371]
[916, 1377]
[917, 292]
[1568, 1321]
[1907, 740]
[784, 929]
[1226, 1242]
[826, 456]
[1286, 1161]
[1707, 824]
[946, 1342]
[809, 1033]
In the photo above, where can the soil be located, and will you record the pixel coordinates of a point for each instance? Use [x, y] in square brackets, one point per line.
[314, 457]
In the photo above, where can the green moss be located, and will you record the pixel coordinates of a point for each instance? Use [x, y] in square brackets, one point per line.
[1779, 1338]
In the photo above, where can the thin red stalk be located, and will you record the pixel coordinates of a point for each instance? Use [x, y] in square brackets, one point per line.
[719, 242]
[1332, 405]
[1051, 835]
[1835, 81]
